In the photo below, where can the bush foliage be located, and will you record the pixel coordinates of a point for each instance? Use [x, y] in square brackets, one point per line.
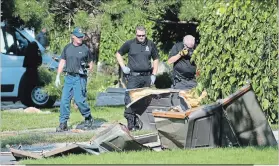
[239, 42]
[118, 25]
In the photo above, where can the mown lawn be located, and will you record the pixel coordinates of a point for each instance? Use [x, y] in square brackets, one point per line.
[35, 138]
[16, 121]
[12, 121]
[249, 155]
[30, 139]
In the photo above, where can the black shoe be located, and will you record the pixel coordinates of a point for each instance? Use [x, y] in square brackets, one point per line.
[131, 126]
[138, 123]
[86, 125]
[134, 123]
[62, 127]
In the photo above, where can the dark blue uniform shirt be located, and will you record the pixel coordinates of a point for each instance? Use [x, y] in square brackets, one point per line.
[139, 54]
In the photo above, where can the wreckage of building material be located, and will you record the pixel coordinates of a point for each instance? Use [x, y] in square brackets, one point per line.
[111, 139]
[116, 138]
[147, 100]
[237, 120]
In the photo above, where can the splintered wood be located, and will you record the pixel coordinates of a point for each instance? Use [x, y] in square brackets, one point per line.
[191, 98]
[141, 92]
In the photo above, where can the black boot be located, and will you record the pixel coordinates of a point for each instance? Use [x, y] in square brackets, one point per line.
[138, 123]
[62, 127]
[87, 124]
[130, 125]
[130, 122]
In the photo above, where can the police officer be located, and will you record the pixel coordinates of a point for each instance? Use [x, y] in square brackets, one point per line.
[77, 58]
[139, 70]
[184, 70]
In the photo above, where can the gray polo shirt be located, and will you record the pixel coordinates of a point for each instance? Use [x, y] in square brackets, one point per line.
[74, 56]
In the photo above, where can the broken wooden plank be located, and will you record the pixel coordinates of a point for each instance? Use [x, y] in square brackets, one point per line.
[72, 148]
[21, 154]
[177, 115]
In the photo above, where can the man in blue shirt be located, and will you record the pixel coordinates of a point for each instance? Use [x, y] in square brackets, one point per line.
[42, 38]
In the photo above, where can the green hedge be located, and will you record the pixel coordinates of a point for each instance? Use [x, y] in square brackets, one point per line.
[119, 26]
[239, 42]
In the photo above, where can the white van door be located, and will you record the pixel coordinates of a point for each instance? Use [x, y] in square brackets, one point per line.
[12, 58]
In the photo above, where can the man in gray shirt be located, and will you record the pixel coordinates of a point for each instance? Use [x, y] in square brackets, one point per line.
[76, 56]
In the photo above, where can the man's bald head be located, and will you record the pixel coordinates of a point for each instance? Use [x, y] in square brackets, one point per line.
[189, 41]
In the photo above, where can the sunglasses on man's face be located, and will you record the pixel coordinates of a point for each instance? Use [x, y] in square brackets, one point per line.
[140, 35]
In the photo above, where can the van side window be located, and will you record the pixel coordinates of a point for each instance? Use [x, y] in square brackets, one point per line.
[7, 42]
[12, 42]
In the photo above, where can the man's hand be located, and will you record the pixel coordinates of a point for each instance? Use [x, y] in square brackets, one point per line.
[57, 80]
[183, 52]
[126, 70]
[153, 79]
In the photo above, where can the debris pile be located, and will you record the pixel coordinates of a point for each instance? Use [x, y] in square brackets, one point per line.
[115, 138]
[178, 121]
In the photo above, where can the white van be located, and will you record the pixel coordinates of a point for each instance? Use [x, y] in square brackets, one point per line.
[13, 42]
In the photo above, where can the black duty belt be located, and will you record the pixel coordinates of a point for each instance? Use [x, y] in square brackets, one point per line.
[75, 74]
[140, 73]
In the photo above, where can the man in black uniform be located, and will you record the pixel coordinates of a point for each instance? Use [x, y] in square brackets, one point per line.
[184, 70]
[77, 58]
[139, 70]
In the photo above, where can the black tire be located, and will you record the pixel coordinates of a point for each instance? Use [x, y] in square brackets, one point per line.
[32, 95]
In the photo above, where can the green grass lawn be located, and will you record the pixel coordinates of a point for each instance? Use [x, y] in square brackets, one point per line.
[34, 138]
[29, 139]
[247, 155]
[12, 121]
[16, 121]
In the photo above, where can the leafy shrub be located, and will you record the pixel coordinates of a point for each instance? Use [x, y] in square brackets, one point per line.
[118, 25]
[47, 79]
[99, 83]
[239, 42]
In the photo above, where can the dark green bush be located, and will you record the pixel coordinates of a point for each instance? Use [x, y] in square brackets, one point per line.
[239, 42]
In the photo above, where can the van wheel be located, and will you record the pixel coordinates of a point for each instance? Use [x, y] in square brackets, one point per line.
[40, 98]
[33, 95]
